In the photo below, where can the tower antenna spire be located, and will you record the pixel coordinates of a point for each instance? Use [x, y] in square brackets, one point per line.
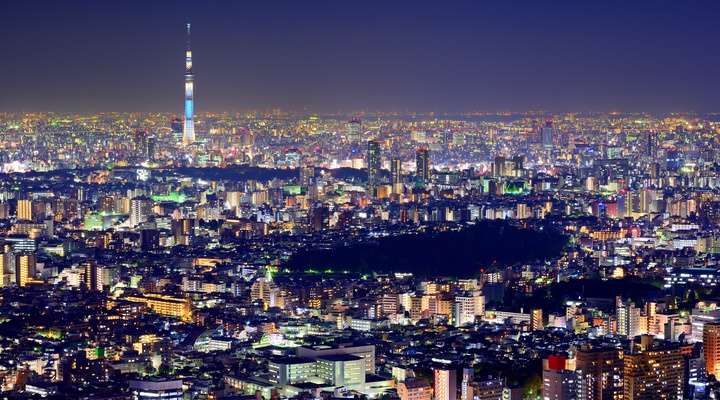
[187, 35]
[188, 137]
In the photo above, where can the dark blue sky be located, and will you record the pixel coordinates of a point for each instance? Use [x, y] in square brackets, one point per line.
[327, 56]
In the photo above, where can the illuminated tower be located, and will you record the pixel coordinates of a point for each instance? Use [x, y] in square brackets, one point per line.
[188, 125]
[422, 165]
[396, 175]
[373, 165]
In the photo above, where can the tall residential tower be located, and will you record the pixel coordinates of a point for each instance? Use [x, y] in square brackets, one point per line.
[189, 124]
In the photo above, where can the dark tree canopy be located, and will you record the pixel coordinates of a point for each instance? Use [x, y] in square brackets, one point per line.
[485, 245]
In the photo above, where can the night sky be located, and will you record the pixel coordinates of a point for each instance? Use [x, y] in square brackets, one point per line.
[445, 56]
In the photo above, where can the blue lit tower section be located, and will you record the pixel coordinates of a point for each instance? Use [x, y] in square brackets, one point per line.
[188, 123]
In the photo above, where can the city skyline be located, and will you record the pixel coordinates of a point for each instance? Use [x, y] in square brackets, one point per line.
[328, 58]
[479, 200]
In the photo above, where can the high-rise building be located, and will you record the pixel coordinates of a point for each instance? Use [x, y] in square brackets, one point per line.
[396, 175]
[547, 134]
[140, 209]
[189, 123]
[373, 165]
[498, 166]
[651, 144]
[445, 383]
[90, 276]
[263, 289]
[467, 307]
[711, 348]
[599, 373]
[558, 379]
[354, 129]
[24, 210]
[150, 148]
[628, 319]
[466, 389]
[25, 269]
[536, 319]
[653, 370]
[422, 165]
[703, 313]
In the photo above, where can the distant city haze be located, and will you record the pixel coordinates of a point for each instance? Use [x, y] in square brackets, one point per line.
[334, 56]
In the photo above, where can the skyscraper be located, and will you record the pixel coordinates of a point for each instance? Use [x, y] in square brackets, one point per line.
[547, 134]
[24, 210]
[711, 347]
[445, 383]
[651, 144]
[466, 389]
[422, 165]
[25, 269]
[396, 175]
[354, 129]
[189, 124]
[628, 319]
[373, 165]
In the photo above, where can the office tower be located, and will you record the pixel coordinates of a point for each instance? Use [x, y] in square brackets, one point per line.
[189, 124]
[466, 388]
[518, 166]
[150, 149]
[653, 370]
[396, 175]
[24, 210]
[25, 269]
[422, 165]
[651, 145]
[558, 379]
[546, 134]
[599, 373]
[536, 319]
[354, 129]
[711, 348]
[414, 389]
[445, 383]
[140, 209]
[628, 319]
[373, 165]
[498, 166]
